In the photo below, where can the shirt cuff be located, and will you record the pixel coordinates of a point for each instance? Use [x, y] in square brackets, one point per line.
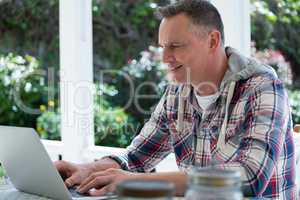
[118, 160]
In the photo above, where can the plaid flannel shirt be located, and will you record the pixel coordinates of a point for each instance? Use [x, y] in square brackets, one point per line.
[258, 139]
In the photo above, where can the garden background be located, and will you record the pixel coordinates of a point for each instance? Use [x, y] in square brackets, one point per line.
[124, 40]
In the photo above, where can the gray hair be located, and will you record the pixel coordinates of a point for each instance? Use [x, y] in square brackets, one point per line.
[201, 13]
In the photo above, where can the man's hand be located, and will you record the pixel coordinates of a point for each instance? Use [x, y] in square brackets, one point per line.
[73, 174]
[100, 183]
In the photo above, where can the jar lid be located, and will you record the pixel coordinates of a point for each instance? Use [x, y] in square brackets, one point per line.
[145, 189]
[210, 176]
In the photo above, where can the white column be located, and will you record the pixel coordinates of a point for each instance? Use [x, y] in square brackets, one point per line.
[236, 18]
[76, 77]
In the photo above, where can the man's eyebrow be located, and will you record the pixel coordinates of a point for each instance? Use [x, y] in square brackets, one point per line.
[163, 45]
[171, 43]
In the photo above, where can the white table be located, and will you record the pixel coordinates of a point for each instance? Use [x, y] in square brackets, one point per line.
[7, 192]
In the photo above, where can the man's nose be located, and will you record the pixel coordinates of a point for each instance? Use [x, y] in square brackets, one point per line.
[167, 56]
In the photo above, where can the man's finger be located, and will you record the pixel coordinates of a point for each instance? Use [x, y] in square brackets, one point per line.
[64, 168]
[103, 191]
[71, 181]
[87, 180]
[97, 182]
[90, 178]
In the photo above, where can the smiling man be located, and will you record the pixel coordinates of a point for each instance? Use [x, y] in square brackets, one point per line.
[221, 108]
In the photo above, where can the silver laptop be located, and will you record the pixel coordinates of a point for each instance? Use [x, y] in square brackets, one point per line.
[29, 166]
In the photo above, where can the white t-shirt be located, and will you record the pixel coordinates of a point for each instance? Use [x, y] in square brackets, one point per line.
[205, 101]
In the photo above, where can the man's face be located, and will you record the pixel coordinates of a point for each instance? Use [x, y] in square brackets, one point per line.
[185, 50]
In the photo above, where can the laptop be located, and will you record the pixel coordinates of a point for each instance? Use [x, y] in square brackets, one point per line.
[29, 167]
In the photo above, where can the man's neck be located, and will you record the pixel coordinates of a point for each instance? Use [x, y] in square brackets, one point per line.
[219, 68]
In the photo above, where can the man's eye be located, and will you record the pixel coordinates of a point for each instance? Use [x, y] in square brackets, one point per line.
[174, 46]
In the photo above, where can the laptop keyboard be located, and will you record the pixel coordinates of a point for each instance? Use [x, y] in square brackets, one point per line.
[76, 194]
[12, 191]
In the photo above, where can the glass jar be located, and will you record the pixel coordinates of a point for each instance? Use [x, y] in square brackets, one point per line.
[139, 190]
[212, 184]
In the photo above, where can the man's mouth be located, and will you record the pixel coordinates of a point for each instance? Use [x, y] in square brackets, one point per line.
[175, 68]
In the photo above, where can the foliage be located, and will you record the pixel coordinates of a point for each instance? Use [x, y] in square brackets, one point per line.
[120, 29]
[30, 27]
[113, 127]
[48, 123]
[144, 85]
[22, 87]
[112, 124]
[1, 171]
[275, 25]
[275, 59]
[294, 97]
[22, 81]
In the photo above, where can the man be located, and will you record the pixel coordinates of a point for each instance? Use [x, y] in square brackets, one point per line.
[223, 108]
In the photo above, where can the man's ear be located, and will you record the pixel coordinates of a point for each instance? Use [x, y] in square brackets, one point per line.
[214, 40]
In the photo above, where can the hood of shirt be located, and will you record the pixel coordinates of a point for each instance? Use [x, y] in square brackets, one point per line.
[240, 67]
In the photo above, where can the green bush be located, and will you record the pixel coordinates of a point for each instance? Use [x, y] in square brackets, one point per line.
[23, 89]
[48, 124]
[23, 83]
[1, 171]
[275, 59]
[275, 25]
[25, 29]
[121, 29]
[294, 96]
[148, 77]
[113, 127]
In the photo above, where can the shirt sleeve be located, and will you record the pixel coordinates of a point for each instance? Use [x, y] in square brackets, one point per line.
[265, 146]
[151, 145]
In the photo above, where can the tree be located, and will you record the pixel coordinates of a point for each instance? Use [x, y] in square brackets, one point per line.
[275, 24]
